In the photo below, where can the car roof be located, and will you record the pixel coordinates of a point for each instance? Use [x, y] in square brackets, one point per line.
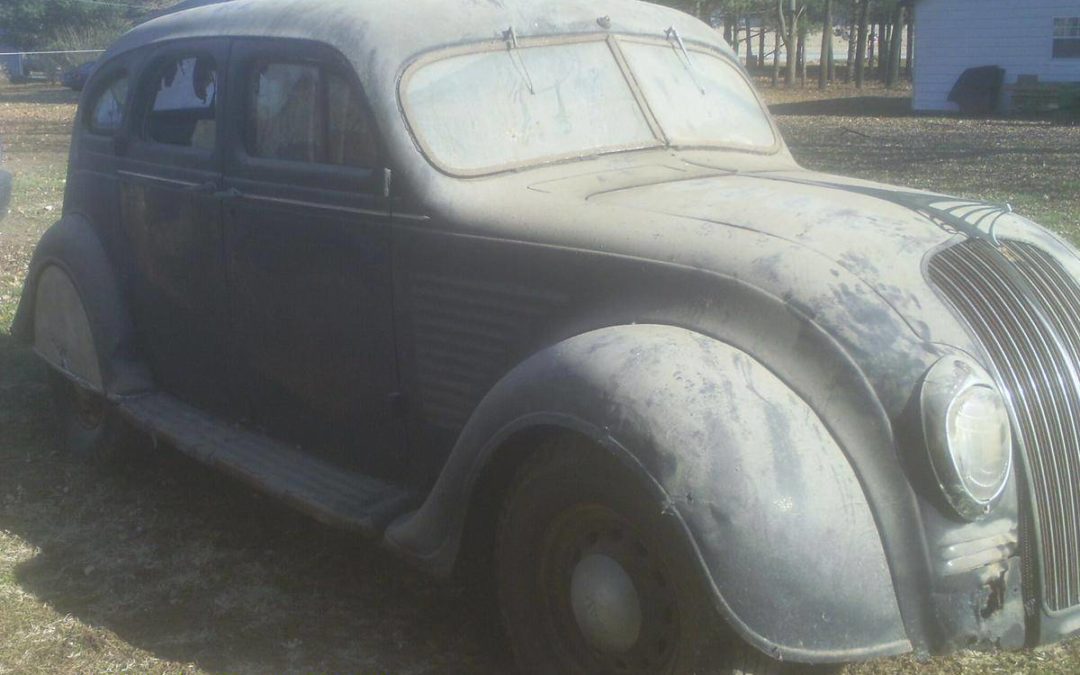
[377, 33]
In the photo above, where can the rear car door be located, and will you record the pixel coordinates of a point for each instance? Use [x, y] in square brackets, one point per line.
[308, 255]
[170, 210]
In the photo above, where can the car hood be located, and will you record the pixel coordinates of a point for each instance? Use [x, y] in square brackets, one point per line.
[879, 234]
[857, 226]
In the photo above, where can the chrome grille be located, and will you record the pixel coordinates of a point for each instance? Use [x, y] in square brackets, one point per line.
[1025, 310]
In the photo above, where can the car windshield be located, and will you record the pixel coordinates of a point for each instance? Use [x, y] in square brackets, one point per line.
[486, 111]
[514, 106]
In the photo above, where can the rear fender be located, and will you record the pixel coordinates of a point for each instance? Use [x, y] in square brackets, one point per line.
[73, 314]
[766, 498]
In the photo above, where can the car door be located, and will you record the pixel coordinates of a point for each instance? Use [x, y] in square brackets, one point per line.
[308, 256]
[170, 173]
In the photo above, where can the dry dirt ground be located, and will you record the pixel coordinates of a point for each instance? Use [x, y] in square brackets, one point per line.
[162, 566]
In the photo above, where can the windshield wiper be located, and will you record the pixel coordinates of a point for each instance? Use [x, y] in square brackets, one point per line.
[512, 46]
[673, 36]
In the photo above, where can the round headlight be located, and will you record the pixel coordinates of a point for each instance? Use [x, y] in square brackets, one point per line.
[967, 429]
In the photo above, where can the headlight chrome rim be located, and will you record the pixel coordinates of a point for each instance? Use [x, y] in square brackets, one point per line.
[952, 382]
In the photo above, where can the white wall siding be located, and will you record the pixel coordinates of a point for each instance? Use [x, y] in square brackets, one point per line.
[954, 35]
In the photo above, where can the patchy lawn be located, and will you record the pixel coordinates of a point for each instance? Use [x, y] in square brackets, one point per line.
[163, 566]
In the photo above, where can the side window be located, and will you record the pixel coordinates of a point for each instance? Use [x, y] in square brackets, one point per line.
[107, 108]
[184, 104]
[306, 113]
[284, 111]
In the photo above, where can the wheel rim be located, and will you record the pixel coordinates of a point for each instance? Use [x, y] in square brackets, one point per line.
[610, 603]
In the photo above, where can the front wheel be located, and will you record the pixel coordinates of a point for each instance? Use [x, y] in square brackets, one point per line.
[593, 577]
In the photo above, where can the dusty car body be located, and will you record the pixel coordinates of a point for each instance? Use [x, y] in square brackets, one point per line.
[851, 408]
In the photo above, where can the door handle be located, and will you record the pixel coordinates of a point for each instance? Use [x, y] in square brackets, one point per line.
[228, 193]
[209, 187]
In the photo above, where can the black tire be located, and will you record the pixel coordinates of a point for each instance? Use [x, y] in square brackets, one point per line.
[572, 503]
[86, 425]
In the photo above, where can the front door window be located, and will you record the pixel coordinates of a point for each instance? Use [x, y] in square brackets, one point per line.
[183, 112]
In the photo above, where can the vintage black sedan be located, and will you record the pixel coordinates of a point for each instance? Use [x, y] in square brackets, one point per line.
[535, 285]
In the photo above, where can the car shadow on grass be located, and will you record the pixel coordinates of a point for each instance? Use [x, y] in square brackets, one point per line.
[194, 568]
[39, 92]
[857, 106]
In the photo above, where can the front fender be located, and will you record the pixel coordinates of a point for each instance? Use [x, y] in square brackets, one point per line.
[766, 498]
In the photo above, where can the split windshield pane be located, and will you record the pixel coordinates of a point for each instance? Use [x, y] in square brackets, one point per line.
[699, 99]
[513, 106]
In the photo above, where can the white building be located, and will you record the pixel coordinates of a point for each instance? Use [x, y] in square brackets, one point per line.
[1025, 37]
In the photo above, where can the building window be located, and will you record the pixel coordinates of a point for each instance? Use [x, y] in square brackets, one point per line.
[1067, 38]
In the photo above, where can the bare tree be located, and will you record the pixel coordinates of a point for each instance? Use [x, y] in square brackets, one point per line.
[824, 74]
[787, 31]
[860, 50]
[910, 42]
[853, 28]
[892, 72]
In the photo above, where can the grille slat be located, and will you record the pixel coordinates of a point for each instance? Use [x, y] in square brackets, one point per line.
[1025, 310]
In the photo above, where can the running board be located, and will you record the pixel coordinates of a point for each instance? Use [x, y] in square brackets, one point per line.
[331, 495]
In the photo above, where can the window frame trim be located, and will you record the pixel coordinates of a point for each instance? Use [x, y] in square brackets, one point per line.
[240, 163]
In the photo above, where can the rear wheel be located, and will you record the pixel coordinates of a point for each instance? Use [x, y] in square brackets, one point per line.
[87, 428]
[594, 578]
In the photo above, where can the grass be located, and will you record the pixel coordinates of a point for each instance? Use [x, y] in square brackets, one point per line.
[162, 566]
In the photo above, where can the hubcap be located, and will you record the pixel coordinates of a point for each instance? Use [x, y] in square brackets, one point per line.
[609, 598]
[605, 604]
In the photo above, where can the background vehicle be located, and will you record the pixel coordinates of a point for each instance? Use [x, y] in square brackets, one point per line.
[543, 280]
[75, 78]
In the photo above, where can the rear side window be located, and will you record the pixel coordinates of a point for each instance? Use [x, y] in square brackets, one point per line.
[107, 108]
[184, 105]
[304, 112]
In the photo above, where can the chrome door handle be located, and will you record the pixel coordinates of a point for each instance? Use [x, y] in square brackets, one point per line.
[229, 193]
[209, 187]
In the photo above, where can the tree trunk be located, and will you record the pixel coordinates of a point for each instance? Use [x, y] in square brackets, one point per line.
[791, 48]
[727, 30]
[852, 40]
[776, 60]
[802, 57]
[860, 50]
[826, 46]
[871, 47]
[892, 74]
[910, 43]
[832, 59]
[750, 61]
[883, 50]
[761, 43]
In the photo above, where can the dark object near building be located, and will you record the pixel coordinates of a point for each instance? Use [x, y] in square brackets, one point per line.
[75, 78]
[978, 90]
[27, 68]
[550, 290]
